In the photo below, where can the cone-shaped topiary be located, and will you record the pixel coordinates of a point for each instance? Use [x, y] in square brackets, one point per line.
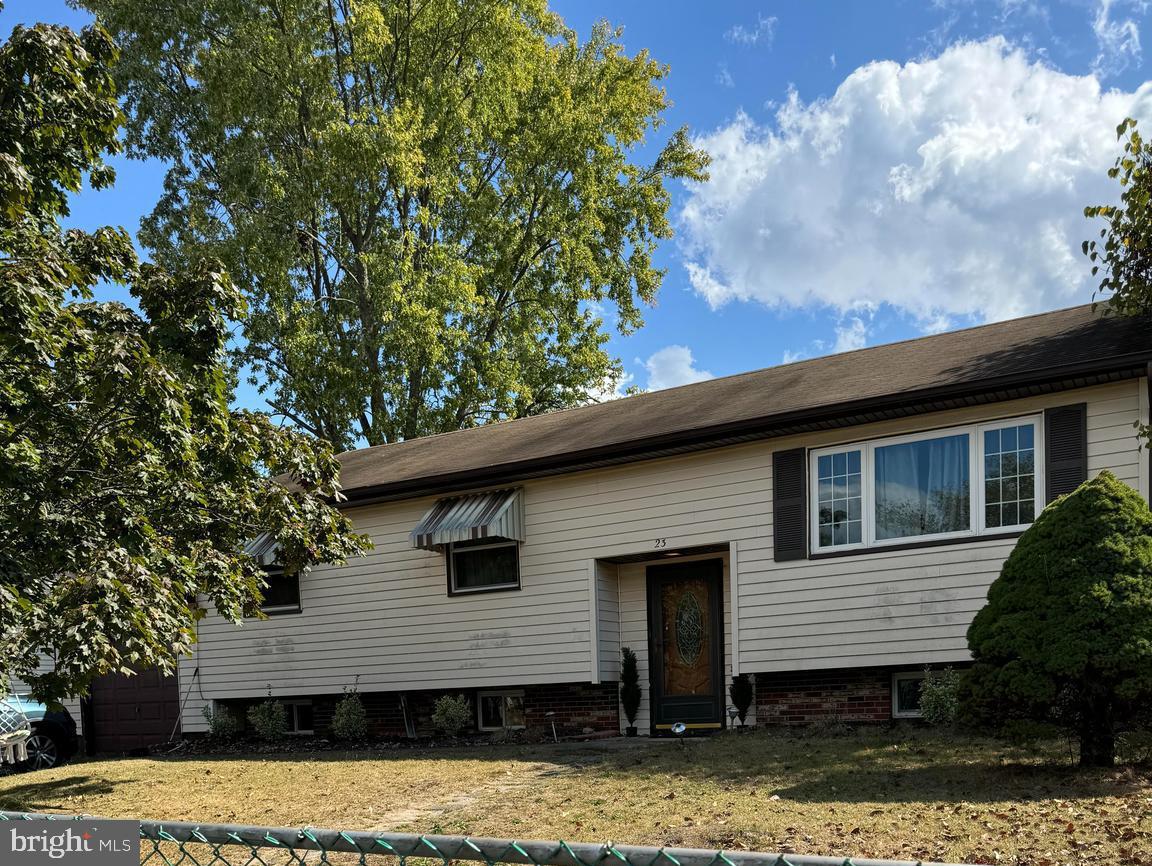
[629, 685]
[1066, 635]
[741, 692]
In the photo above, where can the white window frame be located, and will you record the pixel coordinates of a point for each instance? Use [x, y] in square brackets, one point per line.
[867, 449]
[294, 729]
[897, 713]
[451, 550]
[1038, 480]
[496, 693]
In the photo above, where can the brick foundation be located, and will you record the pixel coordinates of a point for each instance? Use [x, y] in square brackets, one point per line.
[577, 708]
[807, 697]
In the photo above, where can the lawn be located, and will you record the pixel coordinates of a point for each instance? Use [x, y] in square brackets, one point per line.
[874, 794]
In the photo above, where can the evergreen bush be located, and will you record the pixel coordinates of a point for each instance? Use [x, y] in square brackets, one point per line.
[223, 724]
[629, 685]
[452, 714]
[940, 697]
[741, 693]
[269, 719]
[1066, 635]
[349, 719]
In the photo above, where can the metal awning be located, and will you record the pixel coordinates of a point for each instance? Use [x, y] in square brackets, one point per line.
[263, 548]
[495, 514]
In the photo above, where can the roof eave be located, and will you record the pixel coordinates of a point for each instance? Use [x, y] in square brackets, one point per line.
[843, 414]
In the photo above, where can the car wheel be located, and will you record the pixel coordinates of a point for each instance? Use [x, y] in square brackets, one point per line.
[43, 752]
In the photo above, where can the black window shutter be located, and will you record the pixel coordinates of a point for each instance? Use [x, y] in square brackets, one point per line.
[789, 515]
[1065, 448]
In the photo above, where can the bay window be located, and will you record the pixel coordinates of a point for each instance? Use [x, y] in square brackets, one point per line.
[952, 483]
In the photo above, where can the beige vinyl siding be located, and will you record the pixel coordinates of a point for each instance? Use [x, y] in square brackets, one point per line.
[608, 622]
[903, 607]
[387, 616]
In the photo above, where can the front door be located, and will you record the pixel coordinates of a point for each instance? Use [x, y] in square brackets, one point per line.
[686, 645]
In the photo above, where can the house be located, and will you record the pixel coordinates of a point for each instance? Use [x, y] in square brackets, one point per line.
[829, 527]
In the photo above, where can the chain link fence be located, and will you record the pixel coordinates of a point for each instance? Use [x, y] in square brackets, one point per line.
[14, 731]
[176, 843]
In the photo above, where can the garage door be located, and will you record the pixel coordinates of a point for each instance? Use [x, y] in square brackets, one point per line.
[131, 713]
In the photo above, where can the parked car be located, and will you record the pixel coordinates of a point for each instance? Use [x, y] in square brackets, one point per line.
[53, 740]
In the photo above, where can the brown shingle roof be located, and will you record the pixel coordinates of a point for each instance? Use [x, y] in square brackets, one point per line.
[1052, 347]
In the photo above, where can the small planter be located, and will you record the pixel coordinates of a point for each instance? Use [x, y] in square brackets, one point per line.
[630, 731]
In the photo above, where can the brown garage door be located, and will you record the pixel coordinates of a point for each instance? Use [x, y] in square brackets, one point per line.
[130, 713]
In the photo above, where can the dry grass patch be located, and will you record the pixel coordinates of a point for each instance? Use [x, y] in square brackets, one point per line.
[868, 794]
[319, 790]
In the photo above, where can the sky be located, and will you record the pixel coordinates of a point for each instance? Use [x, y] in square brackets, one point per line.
[880, 170]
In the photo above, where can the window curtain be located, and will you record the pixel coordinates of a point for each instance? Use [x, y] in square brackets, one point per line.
[922, 488]
[488, 566]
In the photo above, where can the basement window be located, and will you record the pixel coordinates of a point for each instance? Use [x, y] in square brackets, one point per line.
[500, 710]
[282, 593]
[299, 716]
[906, 687]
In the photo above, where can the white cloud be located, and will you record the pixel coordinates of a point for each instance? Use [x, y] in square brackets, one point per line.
[612, 388]
[672, 366]
[1117, 41]
[761, 33]
[952, 187]
[852, 334]
[723, 76]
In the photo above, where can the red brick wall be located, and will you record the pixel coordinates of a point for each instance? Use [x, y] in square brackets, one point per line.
[804, 697]
[576, 706]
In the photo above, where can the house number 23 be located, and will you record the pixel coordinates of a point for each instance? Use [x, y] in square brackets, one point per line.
[661, 542]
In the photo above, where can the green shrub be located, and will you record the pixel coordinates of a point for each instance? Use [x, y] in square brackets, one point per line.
[269, 719]
[452, 714]
[741, 693]
[223, 724]
[629, 685]
[1066, 636]
[349, 720]
[940, 696]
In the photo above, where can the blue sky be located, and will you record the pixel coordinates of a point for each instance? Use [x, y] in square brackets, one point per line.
[881, 169]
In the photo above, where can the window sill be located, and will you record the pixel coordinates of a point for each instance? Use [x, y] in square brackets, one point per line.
[916, 545]
[483, 590]
[285, 610]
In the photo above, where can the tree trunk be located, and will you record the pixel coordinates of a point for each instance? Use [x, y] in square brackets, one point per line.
[1097, 733]
[1097, 749]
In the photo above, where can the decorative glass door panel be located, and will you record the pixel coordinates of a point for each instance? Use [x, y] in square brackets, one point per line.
[687, 637]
